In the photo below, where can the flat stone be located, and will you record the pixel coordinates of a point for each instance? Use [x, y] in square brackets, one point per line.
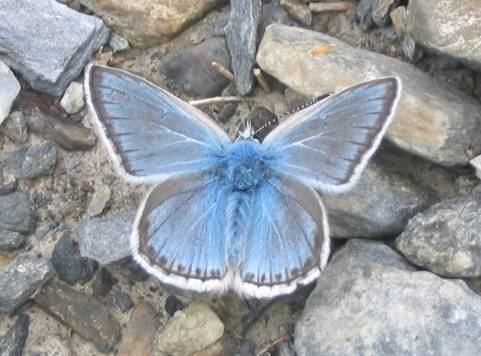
[161, 19]
[12, 343]
[9, 89]
[46, 52]
[30, 162]
[369, 301]
[10, 240]
[298, 10]
[370, 12]
[99, 200]
[69, 265]
[192, 68]
[450, 27]
[190, 330]
[106, 240]
[141, 331]
[424, 125]
[73, 99]
[21, 278]
[70, 136]
[241, 34]
[15, 127]
[16, 213]
[82, 313]
[446, 238]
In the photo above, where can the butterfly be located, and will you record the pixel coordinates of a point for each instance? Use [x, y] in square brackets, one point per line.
[238, 215]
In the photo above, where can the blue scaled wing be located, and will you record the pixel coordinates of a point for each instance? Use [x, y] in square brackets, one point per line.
[178, 235]
[149, 133]
[328, 144]
[288, 242]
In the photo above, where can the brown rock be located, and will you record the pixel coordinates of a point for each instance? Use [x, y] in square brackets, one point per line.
[82, 313]
[424, 125]
[139, 338]
[146, 23]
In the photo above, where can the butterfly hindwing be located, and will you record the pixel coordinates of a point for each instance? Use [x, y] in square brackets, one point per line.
[328, 144]
[150, 134]
[289, 240]
[178, 234]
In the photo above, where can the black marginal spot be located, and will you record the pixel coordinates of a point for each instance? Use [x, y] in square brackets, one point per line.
[180, 268]
[198, 272]
[163, 260]
[278, 277]
[294, 271]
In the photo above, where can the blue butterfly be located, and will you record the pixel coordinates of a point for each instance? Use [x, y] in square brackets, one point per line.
[243, 215]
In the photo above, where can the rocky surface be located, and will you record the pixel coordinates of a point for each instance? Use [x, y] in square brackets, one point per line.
[52, 55]
[21, 278]
[161, 19]
[10, 240]
[12, 343]
[446, 238]
[82, 313]
[141, 331]
[369, 301]
[241, 34]
[15, 127]
[69, 265]
[190, 330]
[192, 68]
[68, 135]
[9, 89]
[106, 240]
[29, 162]
[448, 27]
[16, 213]
[423, 125]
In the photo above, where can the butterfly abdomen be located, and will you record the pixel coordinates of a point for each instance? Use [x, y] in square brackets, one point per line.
[238, 219]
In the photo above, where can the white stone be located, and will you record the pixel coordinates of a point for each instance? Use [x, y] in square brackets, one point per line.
[118, 43]
[73, 99]
[9, 89]
[476, 163]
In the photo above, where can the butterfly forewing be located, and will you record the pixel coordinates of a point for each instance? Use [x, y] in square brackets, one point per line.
[150, 133]
[328, 144]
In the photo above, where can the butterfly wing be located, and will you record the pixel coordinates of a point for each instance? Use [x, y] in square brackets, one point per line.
[328, 144]
[178, 234]
[149, 133]
[288, 243]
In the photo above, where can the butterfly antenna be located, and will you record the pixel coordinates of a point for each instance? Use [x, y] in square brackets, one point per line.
[305, 105]
[266, 124]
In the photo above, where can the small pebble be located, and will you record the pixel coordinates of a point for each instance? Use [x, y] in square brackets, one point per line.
[103, 282]
[118, 43]
[30, 162]
[122, 300]
[15, 127]
[99, 200]
[10, 240]
[9, 89]
[73, 99]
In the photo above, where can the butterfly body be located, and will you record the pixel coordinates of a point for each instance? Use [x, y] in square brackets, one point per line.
[243, 215]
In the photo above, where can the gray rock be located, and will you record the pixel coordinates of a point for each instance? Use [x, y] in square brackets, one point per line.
[12, 343]
[21, 278]
[106, 240]
[449, 27]
[190, 330]
[241, 34]
[446, 238]
[73, 99]
[9, 89]
[29, 162]
[103, 283]
[38, 41]
[10, 240]
[82, 313]
[69, 265]
[424, 125]
[298, 11]
[15, 127]
[380, 205]
[15, 213]
[369, 302]
[70, 136]
[370, 12]
[271, 14]
[192, 68]
[118, 43]
[122, 300]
